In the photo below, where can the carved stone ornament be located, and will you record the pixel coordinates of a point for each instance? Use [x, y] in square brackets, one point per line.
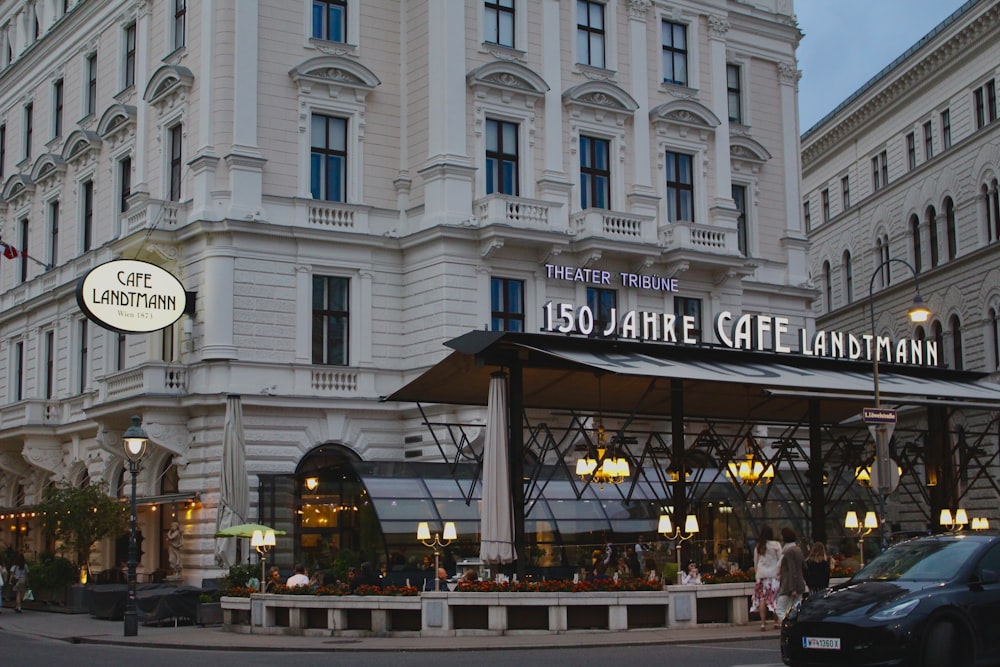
[717, 27]
[637, 8]
[174, 437]
[788, 73]
[508, 80]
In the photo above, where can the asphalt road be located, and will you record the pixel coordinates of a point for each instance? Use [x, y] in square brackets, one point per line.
[29, 651]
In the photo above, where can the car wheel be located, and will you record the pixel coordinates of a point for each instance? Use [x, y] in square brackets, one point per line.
[946, 646]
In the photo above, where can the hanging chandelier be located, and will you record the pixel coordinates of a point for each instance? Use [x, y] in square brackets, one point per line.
[607, 467]
[751, 470]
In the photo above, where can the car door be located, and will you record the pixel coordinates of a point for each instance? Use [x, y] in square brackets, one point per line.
[984, 601]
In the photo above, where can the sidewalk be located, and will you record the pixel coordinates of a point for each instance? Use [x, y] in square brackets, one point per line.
[82, 628]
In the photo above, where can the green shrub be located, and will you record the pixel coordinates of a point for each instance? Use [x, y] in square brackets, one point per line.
[240, 574]
[51, 572]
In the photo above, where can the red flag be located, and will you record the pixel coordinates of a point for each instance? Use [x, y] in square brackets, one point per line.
[9, 251]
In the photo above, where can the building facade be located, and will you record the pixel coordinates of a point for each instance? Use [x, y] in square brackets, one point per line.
[342, 186]
[900, 196]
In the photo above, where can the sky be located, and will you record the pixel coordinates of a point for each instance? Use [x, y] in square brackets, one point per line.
[847, 42]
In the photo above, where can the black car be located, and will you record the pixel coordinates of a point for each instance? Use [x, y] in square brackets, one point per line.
[928, 602]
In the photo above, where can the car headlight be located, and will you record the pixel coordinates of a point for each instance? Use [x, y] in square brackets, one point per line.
[898, 610]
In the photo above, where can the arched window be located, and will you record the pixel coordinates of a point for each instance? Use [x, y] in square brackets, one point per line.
[949, 217]
[989, 207]
[848, 277]
[931, 217]
[883, 266]
[915, 235]
[938, 333]
[828, 285]
[956, 341]
[919, 334]
[994, 324]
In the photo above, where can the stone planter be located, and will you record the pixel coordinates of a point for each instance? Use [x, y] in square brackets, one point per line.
[208, 613]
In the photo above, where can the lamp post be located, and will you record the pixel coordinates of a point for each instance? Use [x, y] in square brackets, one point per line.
[262, 541]
[424, 535]
[918, 312]
[666, 529]
[134, 440]
[861, 530]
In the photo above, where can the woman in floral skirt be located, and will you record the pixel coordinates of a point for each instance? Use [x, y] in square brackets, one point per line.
[766, 556]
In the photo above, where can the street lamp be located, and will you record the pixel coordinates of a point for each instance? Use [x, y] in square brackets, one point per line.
[918, 312]
[861, 530]
[666, 529]
[958, 521]
[134, 439]
[262, 541]
[424, 535]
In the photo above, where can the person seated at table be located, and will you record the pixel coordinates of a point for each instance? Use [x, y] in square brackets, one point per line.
[600, 572]
[439, 584]
[365, 577]
[273, 580]
[469, 576]
[692, 575]
[651, 573]
[300, 578]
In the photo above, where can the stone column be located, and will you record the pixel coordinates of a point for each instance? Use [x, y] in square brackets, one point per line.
[642, 198]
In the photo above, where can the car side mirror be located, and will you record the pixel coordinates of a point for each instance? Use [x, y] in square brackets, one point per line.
[987, 576]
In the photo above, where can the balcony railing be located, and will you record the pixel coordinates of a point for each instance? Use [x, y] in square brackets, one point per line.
[614, 225]
[151, 378]
[153, 214]
[691, 236]
[514, 211]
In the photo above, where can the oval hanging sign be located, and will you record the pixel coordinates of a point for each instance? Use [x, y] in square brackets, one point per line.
[131, 296]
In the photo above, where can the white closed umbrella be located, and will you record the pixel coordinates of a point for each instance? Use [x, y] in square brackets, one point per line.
[234, 492]
[497, 530]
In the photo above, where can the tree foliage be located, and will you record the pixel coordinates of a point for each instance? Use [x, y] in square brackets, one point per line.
[80, 516]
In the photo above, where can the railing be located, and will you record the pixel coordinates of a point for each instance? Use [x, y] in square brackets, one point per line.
[614, 225]
[153, 214]
[151, 378]
[691, 236]
[330, 380]
[515, 211]
[449, 613]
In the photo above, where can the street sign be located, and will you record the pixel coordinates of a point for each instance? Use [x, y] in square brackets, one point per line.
[879, 415]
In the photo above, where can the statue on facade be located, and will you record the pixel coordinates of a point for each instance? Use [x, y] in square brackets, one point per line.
[175, 542]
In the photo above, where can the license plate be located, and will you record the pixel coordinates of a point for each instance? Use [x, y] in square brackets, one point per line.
[824, 643]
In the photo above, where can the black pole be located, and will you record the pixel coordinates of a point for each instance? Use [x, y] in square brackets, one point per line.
[131, 620]
[817, 499]
[679, 487]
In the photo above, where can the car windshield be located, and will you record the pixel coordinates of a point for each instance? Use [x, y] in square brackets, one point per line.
[921, 560]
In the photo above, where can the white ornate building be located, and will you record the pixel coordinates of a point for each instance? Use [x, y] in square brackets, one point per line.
[345, 185]
[907, 169]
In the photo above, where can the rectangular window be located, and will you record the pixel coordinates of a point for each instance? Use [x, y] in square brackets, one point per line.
[499, 27]
[506, 304]
[167, 344]
[991, 100]
[176, 143]
[911, 151]
[946, 129]
[23, 257]
[329, 20]
[595, 173]
[19, 370]
[734, 93]
[601, 301]
[680, 187]
[180, 23]
[53, 233]
[328, 158]
[84, 354]
[824, 198]
[120, 353]
[807, 216]
[330, 319]
[29, 121]
[3, 149]
[590, 33]
[57, 108]
[978, 96]
[845, 192]
[124, 183]
[928, 141]
[880, 171]
[742, 234]
[90, 98]
[675, 53]
[87, 215]
[688, 307]
[50, 363]
[128, 60]
[501, 157]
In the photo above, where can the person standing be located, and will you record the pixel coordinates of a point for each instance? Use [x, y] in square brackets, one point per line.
[19, 580]
[818, 566]
[4, 578]
[766, 556]
[793, 583]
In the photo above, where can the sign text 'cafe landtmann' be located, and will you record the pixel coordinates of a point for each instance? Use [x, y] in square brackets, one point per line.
[131, 296]
[738, 332]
